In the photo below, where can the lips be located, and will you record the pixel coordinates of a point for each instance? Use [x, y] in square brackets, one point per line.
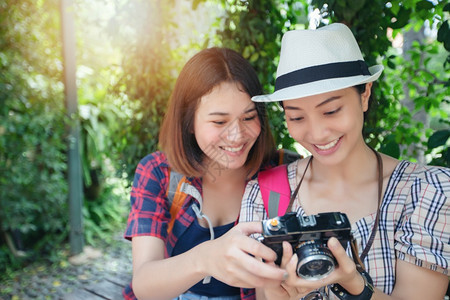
[327, 146]
[233, 149]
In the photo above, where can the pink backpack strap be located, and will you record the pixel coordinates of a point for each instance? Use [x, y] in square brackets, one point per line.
[275, 190]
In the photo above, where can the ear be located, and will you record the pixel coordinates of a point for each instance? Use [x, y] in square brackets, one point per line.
[366, 96]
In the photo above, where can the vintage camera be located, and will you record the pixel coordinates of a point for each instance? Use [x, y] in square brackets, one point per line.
[308, 237]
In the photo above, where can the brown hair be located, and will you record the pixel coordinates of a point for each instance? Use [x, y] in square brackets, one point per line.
[204, 71]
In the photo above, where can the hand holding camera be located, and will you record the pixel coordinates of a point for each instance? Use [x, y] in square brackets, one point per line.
[308, 237]
[319, 242]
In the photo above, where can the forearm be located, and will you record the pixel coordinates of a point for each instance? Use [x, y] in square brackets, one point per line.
[425, 284]
[379, 295]
[260, 294]
[168, 278]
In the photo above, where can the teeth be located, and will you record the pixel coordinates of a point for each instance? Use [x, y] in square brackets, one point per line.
[328, 146]
[231, 149]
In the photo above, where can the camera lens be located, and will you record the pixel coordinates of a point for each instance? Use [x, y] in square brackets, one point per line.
[315, 260]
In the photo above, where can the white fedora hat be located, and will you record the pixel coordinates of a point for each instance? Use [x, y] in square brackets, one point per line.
[319, 61]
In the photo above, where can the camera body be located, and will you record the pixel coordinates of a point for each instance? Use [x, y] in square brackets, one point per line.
[308, 237]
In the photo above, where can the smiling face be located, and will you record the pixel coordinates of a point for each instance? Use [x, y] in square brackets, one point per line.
[328, 125]
[226, 126]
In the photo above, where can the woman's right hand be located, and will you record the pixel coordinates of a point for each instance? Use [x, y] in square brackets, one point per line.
[228, 260]
[234, 258]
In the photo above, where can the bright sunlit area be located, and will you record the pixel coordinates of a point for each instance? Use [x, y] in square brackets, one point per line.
[76, 119]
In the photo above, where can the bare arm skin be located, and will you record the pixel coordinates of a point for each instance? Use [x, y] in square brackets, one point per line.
[414, 282]
[225, 258]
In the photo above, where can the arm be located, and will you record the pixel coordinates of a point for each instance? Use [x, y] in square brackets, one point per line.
[148, 260]
[412, 282]
[415, 282]
[225, 258]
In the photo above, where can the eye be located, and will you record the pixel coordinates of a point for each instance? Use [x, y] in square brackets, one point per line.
[295, 119]
[250, 118]
[219, 122]
[333, 111]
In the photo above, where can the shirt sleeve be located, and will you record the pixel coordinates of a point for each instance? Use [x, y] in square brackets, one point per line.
[149, 214]
[252, 207]
[423, 235]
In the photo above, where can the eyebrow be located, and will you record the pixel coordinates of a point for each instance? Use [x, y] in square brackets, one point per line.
[287, 107]
[218, 113]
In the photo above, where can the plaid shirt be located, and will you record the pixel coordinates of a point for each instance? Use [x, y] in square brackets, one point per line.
[150, 215]
[414, 221]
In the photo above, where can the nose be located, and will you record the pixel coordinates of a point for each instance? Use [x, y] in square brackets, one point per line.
[317, 131]
[236, 131]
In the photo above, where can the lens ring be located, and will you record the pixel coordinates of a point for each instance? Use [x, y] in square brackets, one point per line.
[323, 259]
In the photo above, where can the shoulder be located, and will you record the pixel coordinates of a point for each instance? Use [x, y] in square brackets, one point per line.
[154, 160]
[420, 200]
[413, 173]
[157, 158]
[420, 181]
[153, 165]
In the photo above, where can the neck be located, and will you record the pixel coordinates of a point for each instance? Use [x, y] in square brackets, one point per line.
[225, 177]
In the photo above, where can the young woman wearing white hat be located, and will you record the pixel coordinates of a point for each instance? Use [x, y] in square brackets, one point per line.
[325, 86]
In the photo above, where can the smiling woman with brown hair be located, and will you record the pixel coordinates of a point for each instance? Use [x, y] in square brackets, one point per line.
[217, 138]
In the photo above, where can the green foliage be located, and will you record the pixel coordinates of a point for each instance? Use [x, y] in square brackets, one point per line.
[106, 196]
[32, 133]
[107, 213]
[33, 144]
[443, 34]
[416, 76]
[148, 73]
[99, 122]
[439, 141]
[255, 28]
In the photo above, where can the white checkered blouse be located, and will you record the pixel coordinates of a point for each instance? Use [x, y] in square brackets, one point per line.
[414, 221]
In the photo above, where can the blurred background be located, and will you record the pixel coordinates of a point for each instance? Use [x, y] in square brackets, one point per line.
[128, 56]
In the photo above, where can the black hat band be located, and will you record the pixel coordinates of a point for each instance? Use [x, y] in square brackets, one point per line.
[321, 72]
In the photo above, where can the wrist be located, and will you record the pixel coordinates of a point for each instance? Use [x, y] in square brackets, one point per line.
[200, 260]
[365, 294]
[356, 285]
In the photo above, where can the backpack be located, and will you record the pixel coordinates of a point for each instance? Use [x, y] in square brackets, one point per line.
[179, 187]
[273, 182]
[275, 190]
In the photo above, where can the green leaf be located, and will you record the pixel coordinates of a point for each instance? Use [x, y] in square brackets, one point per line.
[390, 147]
[402, 18]
[424, 5]
[447, 7]
[443, 35]
[391, 64]
[439, 138]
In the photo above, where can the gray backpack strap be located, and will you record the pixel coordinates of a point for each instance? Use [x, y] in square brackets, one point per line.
[174, 180]
[274, 202]
[190, 190]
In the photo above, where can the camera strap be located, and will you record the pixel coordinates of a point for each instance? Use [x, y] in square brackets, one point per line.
[377, 218]
[358, 259]
[354, 248]
[294, 195]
